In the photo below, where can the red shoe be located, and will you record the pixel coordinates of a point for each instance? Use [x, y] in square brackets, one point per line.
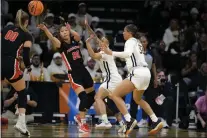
[84, 128]
[77, 119]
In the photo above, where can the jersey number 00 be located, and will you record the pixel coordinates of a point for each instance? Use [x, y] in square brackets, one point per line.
[11, 36]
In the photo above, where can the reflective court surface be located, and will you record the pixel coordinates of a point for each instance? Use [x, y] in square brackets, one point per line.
[60, 130]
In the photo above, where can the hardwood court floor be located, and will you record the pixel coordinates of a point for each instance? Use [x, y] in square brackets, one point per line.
[71, 131]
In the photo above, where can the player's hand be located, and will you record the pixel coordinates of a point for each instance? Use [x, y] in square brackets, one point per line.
[106, 50]
[89, 39]
[67, 25]
[42, 27]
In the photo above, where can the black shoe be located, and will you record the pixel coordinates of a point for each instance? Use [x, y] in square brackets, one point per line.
[130, 126]
[136, 127]
[156, 127]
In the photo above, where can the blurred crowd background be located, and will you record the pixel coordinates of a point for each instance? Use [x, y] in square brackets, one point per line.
[174, 34]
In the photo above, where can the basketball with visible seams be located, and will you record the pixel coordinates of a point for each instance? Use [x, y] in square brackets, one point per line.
[35, 7]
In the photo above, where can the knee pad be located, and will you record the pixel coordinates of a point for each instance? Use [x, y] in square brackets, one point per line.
[83, 101]
[91, 99]
[22, 99]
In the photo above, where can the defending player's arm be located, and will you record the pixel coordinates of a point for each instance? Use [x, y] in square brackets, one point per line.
[90, 50]
[53, 39]
[91, 32]
[128, 50]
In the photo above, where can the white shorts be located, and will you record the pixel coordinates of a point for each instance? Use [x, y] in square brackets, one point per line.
[140, 77]
[112, 83]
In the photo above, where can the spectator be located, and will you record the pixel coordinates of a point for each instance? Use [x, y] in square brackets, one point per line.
[84, 53]
[190, 71]
[92, 70]
[193, 34]
[173, 58]
[11, 112]
[194, 15]
[163, 101]
[49, 21]
[94, 23]
[82, 12]
[202, 49]
[201, 106]
[38, 73]
[203, 76]
[56, 66]
[100, 34]
[33, 27]
[171, 34]
[73, 23]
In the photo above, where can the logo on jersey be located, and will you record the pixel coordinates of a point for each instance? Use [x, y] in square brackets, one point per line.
[73, 48]
[76, 55]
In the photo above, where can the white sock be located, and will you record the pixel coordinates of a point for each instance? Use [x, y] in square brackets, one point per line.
[21, 117]
[127, 117]
[121, 123]
[105, 118]
[154, 118]
[83, 121]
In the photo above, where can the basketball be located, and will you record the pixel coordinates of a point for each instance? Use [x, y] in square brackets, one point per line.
[35, 7]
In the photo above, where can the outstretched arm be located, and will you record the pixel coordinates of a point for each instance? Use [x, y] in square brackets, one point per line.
[90, 50]
[53, 39]
[128, 50]
[91, 32]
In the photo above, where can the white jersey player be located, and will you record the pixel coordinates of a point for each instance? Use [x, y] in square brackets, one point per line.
[110, 72]
[137, 81]
[111, 79]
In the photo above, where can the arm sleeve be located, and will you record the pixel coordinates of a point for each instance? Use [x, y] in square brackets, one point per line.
[28, 37]
[26, 50]
[26, 59]
[128, 50]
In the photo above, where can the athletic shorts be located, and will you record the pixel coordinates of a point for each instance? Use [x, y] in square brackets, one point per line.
[111, 83]
[80, 77]
[140, 77]
[10, 69]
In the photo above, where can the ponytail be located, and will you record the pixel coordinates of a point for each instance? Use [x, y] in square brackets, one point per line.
[21, 17]
[137, 35]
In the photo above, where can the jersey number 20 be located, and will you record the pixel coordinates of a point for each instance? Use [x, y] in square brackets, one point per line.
[11, 36]
[76, 55]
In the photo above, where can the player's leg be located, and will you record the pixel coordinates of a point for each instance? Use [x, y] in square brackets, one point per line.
[102, 93]
[111, 105]
[125, 87]
[157, 124]
[15, 77]
[75, 82]
[89, 87]
[20, 87]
